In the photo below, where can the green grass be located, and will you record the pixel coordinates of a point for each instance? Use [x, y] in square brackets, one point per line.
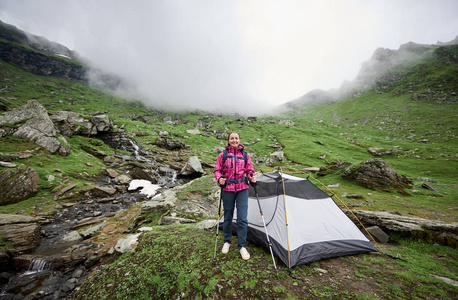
[176, 261]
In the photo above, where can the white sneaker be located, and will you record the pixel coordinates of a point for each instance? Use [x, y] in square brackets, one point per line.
[244, 253]
[225, 248]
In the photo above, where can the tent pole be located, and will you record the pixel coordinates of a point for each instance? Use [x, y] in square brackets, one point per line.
[286, 217]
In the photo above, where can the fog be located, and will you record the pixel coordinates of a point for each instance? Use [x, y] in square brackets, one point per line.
[237, 56]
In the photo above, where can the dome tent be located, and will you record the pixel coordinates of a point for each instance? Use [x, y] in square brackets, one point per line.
[304, 224]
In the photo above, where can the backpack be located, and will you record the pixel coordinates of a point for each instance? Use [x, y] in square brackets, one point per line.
[225, 156]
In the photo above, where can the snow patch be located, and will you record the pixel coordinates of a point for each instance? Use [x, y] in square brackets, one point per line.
[147, 188]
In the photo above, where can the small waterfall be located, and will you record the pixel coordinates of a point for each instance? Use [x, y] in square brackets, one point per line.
[38, 265]
[136, 155]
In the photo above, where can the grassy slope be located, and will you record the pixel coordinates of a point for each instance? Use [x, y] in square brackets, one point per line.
[346, 128]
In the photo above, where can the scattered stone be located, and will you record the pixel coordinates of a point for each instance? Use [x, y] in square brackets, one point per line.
[194, 131]
[144, 229]
[426, 179]
[447, 280]
[205, 224]
[322, 271]
[7, 164]
[381, 151]
[127, 244]
[122, 179]
[91, 231]
[378, 234]
[168, 220]
[112, 173]
[333, 185]
[355, 196]
[428, 187]
[311, 169]
[277, 156]
[102, 191]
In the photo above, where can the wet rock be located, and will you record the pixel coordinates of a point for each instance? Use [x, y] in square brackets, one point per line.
[18, 184]
[377, 174]
[192, 168]
[72, 236]
[103, 191]
[140, 173]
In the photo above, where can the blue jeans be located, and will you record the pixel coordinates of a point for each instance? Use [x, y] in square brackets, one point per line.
[237, 199]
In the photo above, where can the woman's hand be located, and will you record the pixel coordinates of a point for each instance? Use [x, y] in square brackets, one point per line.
[222, 181]
[253, 179]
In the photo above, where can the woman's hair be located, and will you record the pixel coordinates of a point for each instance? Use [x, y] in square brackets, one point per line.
[229, 135]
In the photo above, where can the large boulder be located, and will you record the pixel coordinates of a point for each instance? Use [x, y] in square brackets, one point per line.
[377, 174]
[18, 184]
[192, 168]
[100, 123]
[38, 127]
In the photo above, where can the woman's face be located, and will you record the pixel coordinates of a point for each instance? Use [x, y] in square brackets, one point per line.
[234, 140]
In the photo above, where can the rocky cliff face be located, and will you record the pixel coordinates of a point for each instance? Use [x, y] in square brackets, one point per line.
[40, 56]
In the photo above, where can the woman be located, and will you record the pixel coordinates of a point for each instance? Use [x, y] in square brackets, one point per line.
[232, 175]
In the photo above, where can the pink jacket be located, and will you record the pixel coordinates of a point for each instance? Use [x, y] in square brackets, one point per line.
[234, 169]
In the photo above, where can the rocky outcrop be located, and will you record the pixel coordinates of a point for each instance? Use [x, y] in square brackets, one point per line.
[38, 127]
[429, 230]
[40, 63]
[21, 232]
[18, 184]
[377, 174]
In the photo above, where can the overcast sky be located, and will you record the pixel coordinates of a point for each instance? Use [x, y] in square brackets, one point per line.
[241, 55]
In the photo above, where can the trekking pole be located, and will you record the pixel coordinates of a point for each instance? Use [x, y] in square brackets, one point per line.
[265, 227]
[217, 223]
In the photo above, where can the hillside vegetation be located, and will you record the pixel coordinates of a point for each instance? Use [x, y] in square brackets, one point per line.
[412, 108]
